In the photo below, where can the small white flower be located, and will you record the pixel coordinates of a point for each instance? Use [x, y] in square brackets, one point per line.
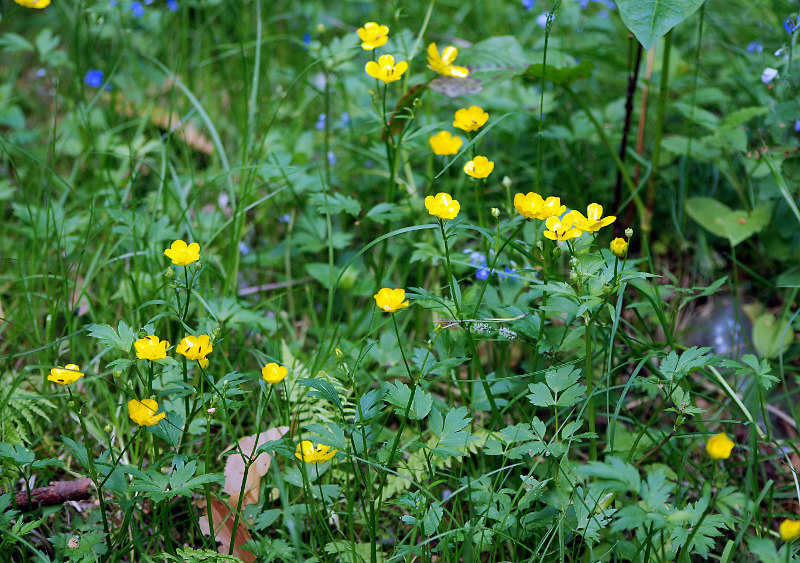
[768, 74]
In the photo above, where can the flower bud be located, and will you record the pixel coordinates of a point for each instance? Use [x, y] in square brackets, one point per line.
[71, 404]
[108, 428]
[629, 232]
[417, 102]
[539, 245]
[142, 333]
[216, 333]
[197, 265]
[174, 285]
[338, 353]
[321, 27]
[495, 212]
[212, 410]
[117, 373]
[557, 252]
[169, 274]
[371, 92]
[573, 275]
[507, 182]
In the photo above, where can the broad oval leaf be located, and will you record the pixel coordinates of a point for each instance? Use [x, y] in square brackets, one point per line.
[650, 20]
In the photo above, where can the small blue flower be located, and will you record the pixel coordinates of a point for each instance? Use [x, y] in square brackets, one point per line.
[755, 47]
[542, 19]
[331, 158]
[137, 9]
[528, 4]
[345, 121]
[797, 126]
[482, 274]
[285, 218]
[790, 24]
[320, 125]
[306, 39]
[583, 3]
[93, 78]
[768, 75]
[148, 2]
[244, 248]
[172, 5]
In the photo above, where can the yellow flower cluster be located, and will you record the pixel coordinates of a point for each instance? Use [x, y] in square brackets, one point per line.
[571, 225]
[374, 35]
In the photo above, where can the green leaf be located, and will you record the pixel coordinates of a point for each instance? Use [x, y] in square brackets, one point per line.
[110, 338]
[330, 435]
[78, 451]
[770, 337]
[369, 405]
[540, 395]
[560, 76]
[335, 203]
[430, 523]
[650, 20]
[719, 219]
[675, 367]
[613, 474]
[398, 394]
[16, 454]
[323, 390]
[450, 431]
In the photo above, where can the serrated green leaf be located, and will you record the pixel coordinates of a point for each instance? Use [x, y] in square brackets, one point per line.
[322, 389]
[614, 474]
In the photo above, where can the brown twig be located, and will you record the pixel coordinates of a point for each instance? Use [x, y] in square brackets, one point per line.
[57, 493]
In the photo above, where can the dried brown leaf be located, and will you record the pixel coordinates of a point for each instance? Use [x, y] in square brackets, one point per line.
[235, 465]
[223, 525]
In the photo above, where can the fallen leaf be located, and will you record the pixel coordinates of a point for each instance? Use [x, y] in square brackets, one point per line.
[223, 525]
[234, 466]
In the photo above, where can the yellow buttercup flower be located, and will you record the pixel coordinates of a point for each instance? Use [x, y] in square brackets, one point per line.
[442, 206]
[444, 143]
[471, 118]
[143, 412]
[273, 373]
[38, 4]
[65, 375]
[592, 222]
[306, 451]
[562, 229]
[479, 167]
[195, 347]
[533, 206]
[386, 69]
[373, 35]
[719, 446]
[391, 300]
[619, 246]
[789, 529]
[443, 64]
[203, 362]
[182, 254]
[151, 348]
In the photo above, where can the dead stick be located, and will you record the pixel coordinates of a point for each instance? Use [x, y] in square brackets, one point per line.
[57, 493]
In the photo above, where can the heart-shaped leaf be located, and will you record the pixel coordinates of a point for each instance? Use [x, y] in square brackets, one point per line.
[721, 220]
[650, 20]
